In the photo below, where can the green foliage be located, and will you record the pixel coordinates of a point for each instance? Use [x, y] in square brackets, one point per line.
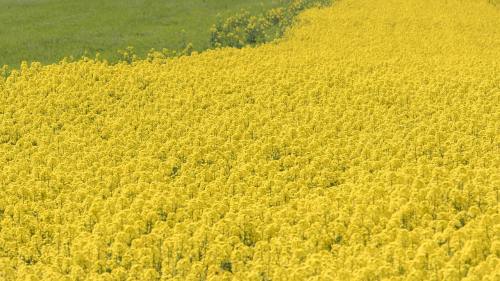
[244, 28]
[128, 55]
[4, 71]
[50, 30]
[227, 266]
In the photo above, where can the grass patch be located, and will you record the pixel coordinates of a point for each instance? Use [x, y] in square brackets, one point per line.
[49, 30]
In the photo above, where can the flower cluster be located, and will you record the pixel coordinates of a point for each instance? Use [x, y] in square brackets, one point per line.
[243, 28]
[364, 146]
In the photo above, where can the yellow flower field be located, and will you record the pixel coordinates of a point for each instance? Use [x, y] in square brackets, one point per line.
[365, 145]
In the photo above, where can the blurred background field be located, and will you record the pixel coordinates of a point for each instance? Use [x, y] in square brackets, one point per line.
[49, 30]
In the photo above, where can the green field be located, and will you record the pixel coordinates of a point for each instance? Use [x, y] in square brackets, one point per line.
[49, 30]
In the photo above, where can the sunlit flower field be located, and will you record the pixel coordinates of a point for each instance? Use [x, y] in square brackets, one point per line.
[364, 145]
